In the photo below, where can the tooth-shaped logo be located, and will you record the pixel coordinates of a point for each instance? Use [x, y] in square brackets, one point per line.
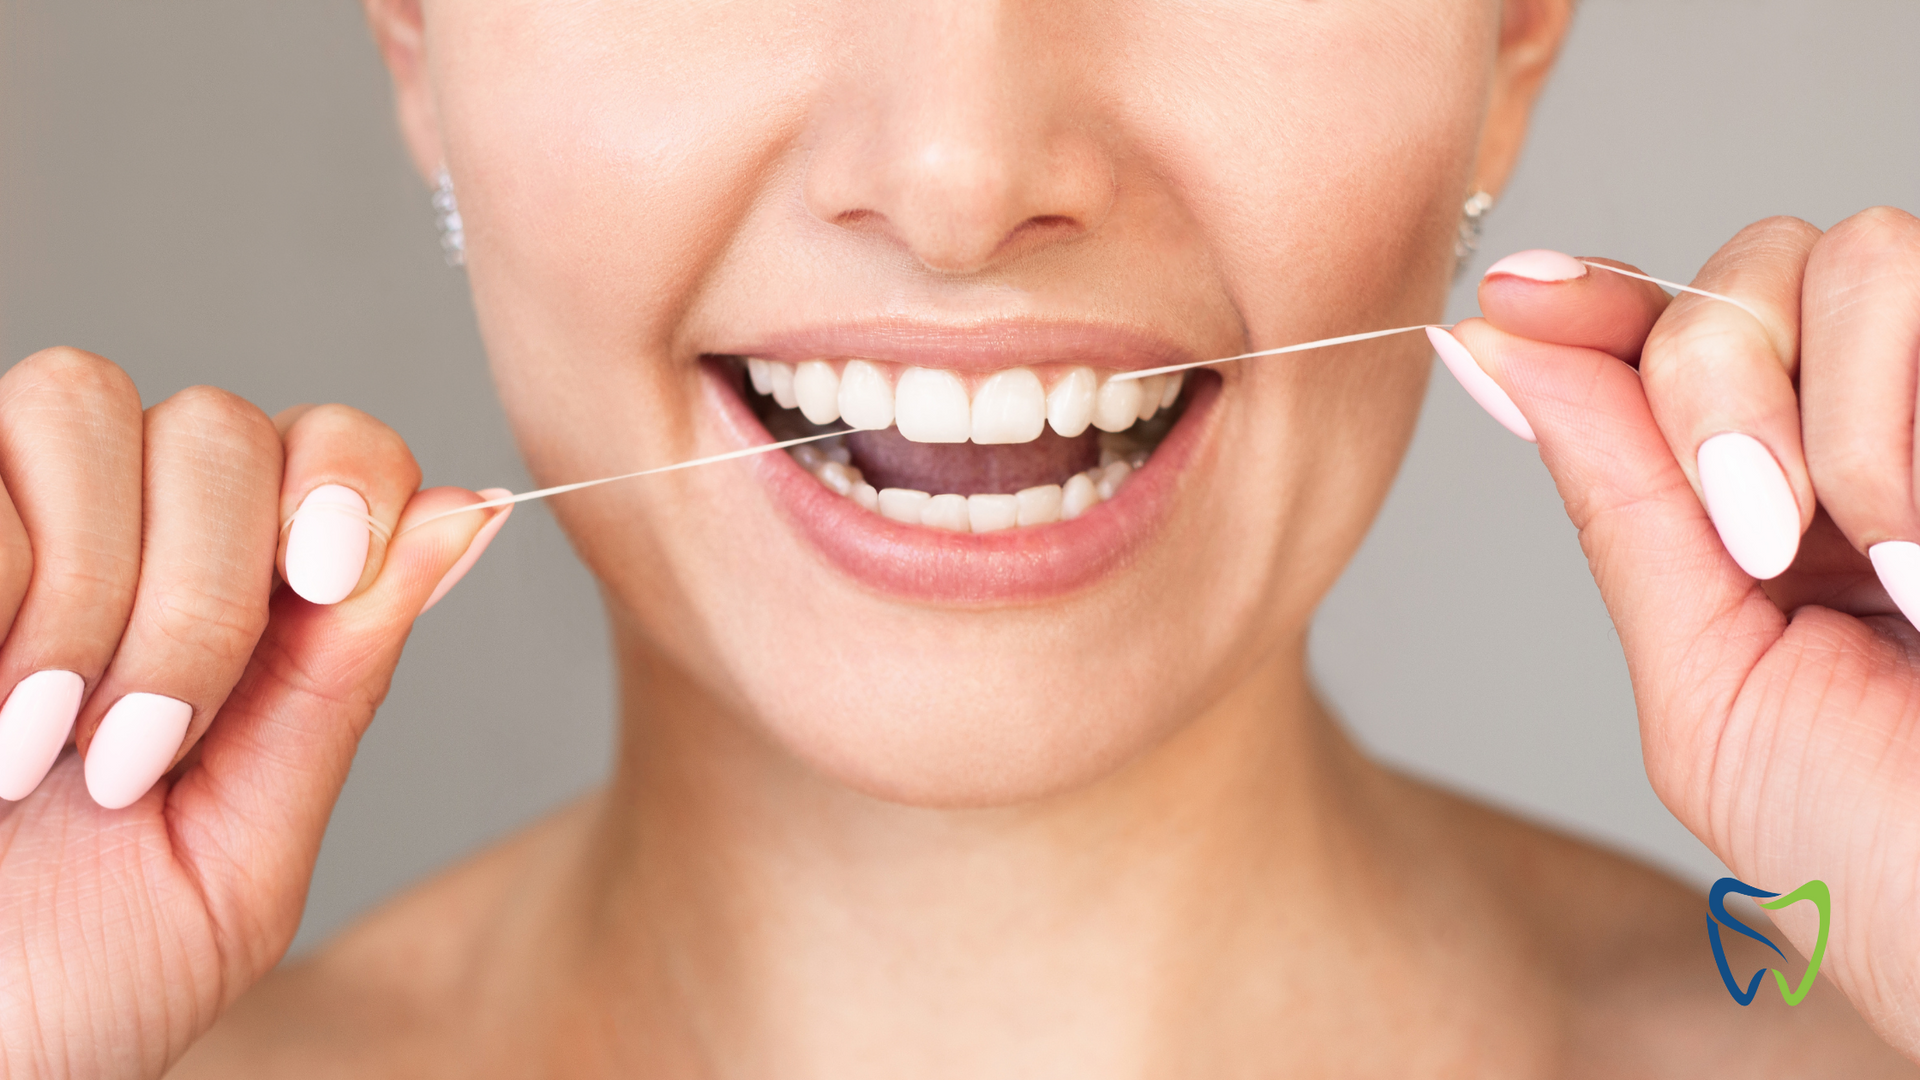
[1718, 916]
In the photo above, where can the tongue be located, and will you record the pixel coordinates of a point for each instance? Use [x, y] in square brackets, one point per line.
[889, 460]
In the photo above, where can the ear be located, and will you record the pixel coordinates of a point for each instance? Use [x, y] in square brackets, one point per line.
[400, 32]
[1531, 32]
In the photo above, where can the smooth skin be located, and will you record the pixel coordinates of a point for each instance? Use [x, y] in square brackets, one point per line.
[1114, 834]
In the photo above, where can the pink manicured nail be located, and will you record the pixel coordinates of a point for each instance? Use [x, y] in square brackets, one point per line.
[327, 548]
[1539, 265]
[1478, 383]
[475, 549]
[133, 747]
[1751, 503]
[1898, 564]
[34, 725]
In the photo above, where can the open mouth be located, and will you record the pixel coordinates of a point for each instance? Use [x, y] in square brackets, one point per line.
[1019, 448]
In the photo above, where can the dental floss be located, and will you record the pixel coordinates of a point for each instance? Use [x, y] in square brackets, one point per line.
[1321, 344]
[764, 448]
[529, 496]
[1675, 285]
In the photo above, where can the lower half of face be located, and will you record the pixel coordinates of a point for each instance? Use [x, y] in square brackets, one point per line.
[1018, 566]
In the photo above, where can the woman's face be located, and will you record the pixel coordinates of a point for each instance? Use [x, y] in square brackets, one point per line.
[948, 191]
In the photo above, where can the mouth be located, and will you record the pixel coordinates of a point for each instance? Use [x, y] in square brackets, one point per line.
[1014, 451]
[970, 481]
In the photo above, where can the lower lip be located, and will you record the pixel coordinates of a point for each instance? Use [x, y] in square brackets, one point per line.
[1010, 566]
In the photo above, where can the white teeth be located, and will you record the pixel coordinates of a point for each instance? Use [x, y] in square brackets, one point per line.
[1070, 405]
[903, 504]
[930, 406]
[817, 390]
[759, 373]
[1151, 388]
[1077, 496]
[866, 397]
[1010, 407]
[991, 513]
[946, 512]
[982, 513]
[840, 478]
[1171, 392]
[1036, 506]
[1116, 405]
[781, 376]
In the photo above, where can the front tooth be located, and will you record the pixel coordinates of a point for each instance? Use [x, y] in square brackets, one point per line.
[1077, 497]
[817, 389]
[759, 376]
[1117, 405]
[902, 504]
[1151, 388]
[1171, 392]
[930, 406]
[1111, 478]
[1037, 506]
[781, 376]
[1070, 405]
[991, 513]
[1011, 407]
[946, 512]
[866, 397]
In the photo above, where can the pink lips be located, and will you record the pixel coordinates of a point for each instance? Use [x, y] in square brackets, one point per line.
[1014, 566]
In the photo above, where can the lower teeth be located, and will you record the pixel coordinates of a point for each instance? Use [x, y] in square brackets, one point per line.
[830, 462]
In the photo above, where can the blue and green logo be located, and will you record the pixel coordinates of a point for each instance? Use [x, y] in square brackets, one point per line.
[1718, 916]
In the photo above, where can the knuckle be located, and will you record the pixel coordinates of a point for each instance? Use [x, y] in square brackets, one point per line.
[372, 440]
[217, 420]
[70, 373]
[1880, 236]
[1698, 349]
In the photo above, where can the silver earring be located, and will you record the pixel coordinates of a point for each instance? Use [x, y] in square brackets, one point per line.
[446, 213]
[1473, 219]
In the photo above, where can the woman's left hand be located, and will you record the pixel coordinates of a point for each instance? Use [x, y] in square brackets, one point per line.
[1780, 718]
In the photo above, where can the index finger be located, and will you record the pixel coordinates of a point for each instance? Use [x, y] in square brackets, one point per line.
[1558, 300]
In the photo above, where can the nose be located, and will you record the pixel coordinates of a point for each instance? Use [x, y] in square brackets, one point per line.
[955, 132]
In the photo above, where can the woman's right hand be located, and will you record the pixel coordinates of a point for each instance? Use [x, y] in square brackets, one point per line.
[216, 715]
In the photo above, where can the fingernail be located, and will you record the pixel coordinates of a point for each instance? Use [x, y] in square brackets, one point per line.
[1539, 265]
[134, 745]
[475, 549]
[327, 549]
[1478, 384]
[1898, 564]
[34, 725]
[1750, 502]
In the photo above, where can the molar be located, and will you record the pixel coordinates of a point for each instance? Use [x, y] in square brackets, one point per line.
[930, 406]
[1009, 408]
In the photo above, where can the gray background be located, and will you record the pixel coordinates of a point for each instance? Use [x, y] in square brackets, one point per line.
[212, 192]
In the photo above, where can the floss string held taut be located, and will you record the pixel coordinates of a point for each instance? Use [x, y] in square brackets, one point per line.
[765, 448]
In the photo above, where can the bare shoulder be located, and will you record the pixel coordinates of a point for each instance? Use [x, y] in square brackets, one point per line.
[389, 996]
[1627, 944]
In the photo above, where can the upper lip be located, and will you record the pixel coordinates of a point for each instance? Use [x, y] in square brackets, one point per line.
[979, 347]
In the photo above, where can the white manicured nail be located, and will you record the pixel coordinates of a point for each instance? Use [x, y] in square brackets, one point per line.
[1750, 502]
[1478, 384]
[1897, 562]
[327, 544]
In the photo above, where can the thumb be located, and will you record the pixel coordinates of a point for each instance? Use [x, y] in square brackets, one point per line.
[1691, 622]
[248, 813]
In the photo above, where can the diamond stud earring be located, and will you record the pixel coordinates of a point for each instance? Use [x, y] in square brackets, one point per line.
[1473, 218]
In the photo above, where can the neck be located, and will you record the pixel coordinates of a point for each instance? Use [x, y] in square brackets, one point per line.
[765, 920]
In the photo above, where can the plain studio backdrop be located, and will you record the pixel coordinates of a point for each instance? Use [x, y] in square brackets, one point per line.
[212, 191]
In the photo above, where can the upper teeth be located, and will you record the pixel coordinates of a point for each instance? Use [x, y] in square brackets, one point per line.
[932, 405]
